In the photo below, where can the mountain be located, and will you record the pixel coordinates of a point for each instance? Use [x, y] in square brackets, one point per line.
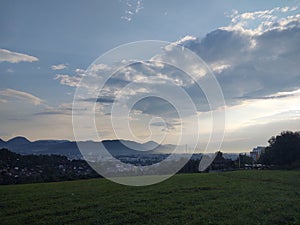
[151, 145]
[18, 141]
[88, 148]
[2, 142]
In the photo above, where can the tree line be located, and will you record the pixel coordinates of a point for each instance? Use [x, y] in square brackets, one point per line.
[18, 169]
[283, 151]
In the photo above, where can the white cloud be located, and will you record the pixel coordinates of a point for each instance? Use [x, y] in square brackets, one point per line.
[91, 82]
[21, 96]
[185, 39]
[80, 71]
[257, 22]
[132, 7]
[127, 18]
[285, 94]
[72, 81]
[59, 67]
[15, 57]
[99, 67]
[219, 67]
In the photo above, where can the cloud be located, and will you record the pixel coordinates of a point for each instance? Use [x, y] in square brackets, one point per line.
[59, 67]
[62, 109]
[275, 96]
[72, 81]
[156, 106]
[259, 21]
[90, 83]
[253, 135]
[264, 110]
[132, 7]
[219, 68]
[80, 72]
[99, 67]
[75, 80]
[185, 40]
[166, 125]
[24, 96]
[15, 57]
[254, 121]
[254, 60]
[104, 99]
[249, 61]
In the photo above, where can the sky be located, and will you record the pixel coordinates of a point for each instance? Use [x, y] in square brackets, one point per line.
[252, 48]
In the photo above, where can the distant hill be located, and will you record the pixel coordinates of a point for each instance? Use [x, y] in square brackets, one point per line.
[2, 142]
[18, 141]
[23, 146]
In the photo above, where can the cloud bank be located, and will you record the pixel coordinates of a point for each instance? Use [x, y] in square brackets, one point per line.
[255, 56]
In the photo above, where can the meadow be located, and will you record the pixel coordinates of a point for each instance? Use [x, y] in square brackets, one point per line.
[238, 197]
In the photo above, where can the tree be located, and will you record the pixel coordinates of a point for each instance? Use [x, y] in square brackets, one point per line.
[244, 159]
[283, 150]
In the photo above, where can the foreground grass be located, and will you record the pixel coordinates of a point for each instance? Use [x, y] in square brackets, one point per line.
[240, 197]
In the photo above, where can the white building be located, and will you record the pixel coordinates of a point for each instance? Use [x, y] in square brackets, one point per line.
[256, 152]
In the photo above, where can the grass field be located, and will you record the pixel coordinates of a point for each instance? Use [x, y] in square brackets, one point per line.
[240, 197]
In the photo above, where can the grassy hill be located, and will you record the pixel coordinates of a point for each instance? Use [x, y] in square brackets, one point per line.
[240, 197]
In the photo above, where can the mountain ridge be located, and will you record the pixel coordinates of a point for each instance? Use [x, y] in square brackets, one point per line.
[68, 148]
[18, 140]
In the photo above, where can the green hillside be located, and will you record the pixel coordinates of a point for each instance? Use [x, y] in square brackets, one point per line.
[240, 197]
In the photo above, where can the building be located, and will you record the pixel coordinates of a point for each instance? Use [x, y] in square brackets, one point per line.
[256, 152]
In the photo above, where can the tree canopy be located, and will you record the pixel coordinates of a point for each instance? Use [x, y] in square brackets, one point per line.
[283, 150]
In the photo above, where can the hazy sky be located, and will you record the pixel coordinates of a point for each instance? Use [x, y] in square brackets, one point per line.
[253, 48]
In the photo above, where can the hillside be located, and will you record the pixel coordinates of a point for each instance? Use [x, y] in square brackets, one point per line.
[70, 149]
[19, 169]
[240, 197]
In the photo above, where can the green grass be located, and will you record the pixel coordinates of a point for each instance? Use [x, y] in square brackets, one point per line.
[240, 197]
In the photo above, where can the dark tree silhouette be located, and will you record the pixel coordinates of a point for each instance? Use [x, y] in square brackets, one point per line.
[283, 150]
[16, 168]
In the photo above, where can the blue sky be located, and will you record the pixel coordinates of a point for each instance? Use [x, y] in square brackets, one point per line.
[41, 41]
